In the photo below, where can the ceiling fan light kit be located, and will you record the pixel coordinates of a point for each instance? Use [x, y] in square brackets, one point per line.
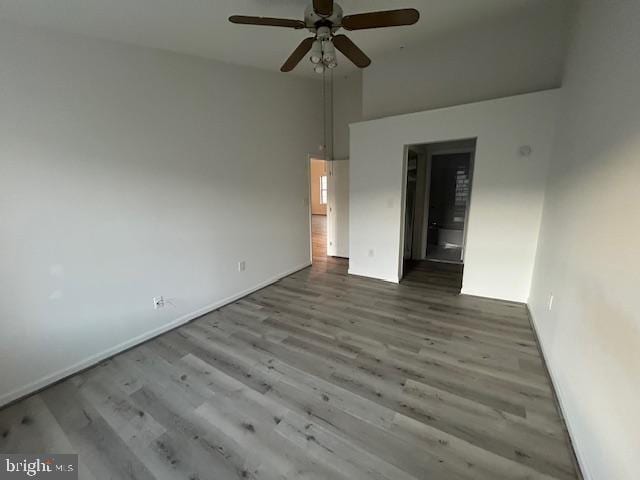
[324, 18]
[316, 52]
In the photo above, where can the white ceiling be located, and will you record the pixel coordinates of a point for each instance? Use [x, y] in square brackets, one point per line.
[200, 27]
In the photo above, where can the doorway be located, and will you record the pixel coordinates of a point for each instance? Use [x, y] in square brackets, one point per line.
[329, 214]
[319, 196]
[436, 211]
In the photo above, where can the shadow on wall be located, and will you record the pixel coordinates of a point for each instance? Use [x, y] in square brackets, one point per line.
[599, 330]
[589, 259]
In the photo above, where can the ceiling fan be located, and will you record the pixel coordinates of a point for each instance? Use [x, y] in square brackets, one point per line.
[324, 18]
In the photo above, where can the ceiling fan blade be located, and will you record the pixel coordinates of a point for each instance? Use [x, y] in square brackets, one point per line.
[351, 51]
[387, 18]
[324, 8]
[297, 55]
[267, 21]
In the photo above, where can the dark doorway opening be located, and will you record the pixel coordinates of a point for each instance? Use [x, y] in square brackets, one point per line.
[437, 203]
[448, 203]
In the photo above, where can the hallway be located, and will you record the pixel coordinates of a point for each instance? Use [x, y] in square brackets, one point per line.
[322, 262]
[319, 237]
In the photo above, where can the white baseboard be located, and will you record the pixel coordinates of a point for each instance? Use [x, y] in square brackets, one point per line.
[488, 297]
[372, 275]
[110, 352]
[580, 458]
[479, 294]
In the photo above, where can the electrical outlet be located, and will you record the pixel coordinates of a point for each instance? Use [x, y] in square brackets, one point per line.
[242, 266]
[158, 302]
[550, 302]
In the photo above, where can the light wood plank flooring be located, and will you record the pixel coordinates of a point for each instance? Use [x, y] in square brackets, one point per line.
[319, 238]
[319, 376]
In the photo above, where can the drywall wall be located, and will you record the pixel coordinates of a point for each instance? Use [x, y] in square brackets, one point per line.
[338, 211]
[318, 169]
[347, 108]
[493, 58]
[506, 198]
[129, 173]
[589, 258]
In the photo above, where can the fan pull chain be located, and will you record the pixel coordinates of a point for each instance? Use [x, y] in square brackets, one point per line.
[331, 132]
[324, 115]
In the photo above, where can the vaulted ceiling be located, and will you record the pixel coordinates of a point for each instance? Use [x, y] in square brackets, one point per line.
[200, 27]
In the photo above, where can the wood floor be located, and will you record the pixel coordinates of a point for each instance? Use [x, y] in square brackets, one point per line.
[437, 276]
[319, 238]
[319, 376]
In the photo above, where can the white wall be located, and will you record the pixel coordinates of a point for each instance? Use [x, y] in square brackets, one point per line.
[347, 108]
[589, 254]
[506, 199]
[494, 58]
[128, 173]
[338, 209]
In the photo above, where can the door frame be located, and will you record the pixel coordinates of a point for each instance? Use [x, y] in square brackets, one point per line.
[337, 171]
[309, 198]
[433, 149]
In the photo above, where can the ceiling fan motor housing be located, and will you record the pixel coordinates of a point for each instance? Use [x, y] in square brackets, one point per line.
[314, 21]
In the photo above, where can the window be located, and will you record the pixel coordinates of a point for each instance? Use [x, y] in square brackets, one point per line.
[323, 190]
